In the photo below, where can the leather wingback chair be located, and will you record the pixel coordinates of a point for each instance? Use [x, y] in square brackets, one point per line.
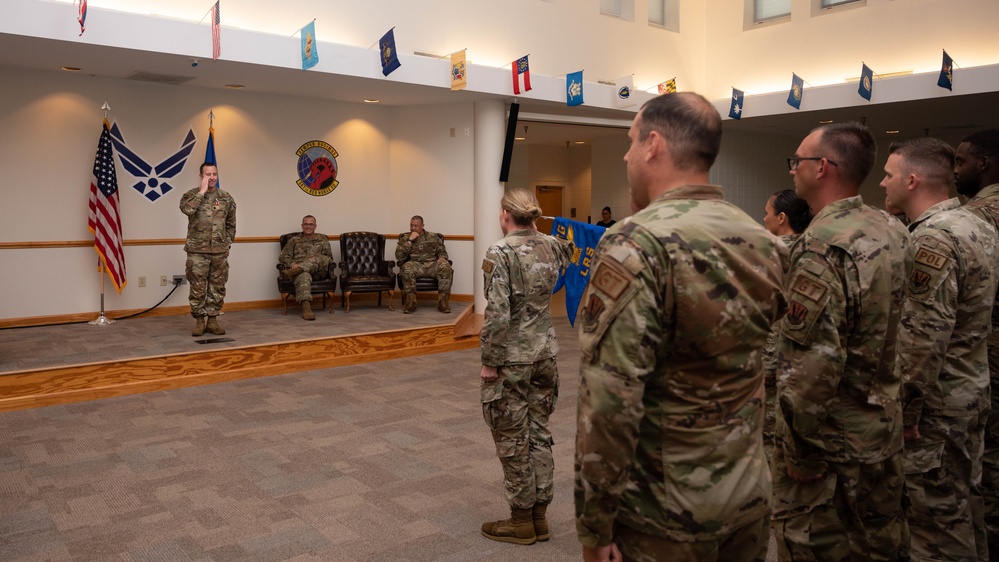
[423, 284]
[325, 287]
[363, 267]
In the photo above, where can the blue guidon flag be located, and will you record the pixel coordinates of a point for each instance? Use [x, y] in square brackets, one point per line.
[577, 275]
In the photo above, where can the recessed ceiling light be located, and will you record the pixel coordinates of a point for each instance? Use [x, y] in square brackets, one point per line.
[235, 86]
[371, 101]
[71, 69]
[825, 121]
[519, 138]
[892, 132]
[578, 142]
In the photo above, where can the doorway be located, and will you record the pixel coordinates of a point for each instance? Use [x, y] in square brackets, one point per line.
[550, 199]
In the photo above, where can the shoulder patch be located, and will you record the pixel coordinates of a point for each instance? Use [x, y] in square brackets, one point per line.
[610, 280]
[930, 258]
[810, 288]
[808, 298]
[592, 310]
[488, 265]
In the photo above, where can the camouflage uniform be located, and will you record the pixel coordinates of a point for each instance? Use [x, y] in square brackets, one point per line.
[517, 336]
[943, 363]
[839, 418]
[211, 229]
[986, 205]
[770, 366]
[678, 307]
[313, 254]
[426, 258]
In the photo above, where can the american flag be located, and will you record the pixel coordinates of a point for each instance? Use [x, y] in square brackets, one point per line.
[104, 220]
[216, 39]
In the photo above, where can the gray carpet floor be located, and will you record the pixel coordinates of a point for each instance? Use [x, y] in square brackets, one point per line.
[377, 462]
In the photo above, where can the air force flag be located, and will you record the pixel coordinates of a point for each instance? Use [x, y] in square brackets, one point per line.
[577, 275]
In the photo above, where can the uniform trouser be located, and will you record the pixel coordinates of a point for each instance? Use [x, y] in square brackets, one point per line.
[943, 501]
[990, 458]
[516, 407]
[207, 274]
[313, 267]
[746, 544]
[440, 269]
[852, 513]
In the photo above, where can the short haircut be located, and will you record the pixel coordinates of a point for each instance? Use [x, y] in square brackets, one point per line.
[794, 208]
[932, 158]
[690, 125]
[606, 209]
[852, 147]
[308, 217]
[417, 218]
[984, 144]
[522, 205]
[201, 170]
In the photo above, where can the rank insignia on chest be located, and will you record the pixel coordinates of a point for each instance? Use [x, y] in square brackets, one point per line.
[796, 314]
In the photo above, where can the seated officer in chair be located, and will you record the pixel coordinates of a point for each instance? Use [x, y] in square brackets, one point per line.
[424, 256]
[305, 257]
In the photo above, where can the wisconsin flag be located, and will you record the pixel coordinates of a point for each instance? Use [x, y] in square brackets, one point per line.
[521, 68]
[577, 275]
[794, 96]
[310, 51]
[389, 56]
[668, 87]
[946, 79]
[866, 83]
[624, 90]
[459, 77]
[574, 88]
[738, 96]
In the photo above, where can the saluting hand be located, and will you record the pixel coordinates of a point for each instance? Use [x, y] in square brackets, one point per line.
[204, 185]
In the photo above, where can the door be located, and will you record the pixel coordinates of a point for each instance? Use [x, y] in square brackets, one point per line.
[550, 199]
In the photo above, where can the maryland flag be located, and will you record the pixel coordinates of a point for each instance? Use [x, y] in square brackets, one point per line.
[577, 275]
[668, 87]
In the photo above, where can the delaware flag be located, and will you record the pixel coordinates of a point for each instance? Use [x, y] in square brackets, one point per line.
[459, 76]
[310, 50]
[738, 97]
[946, 79]
[389, 56]
[794, 96]
[866, 83]
[210, 153]
[574, 88]
[104, 220]
[577, 275]
[520, 67]
[668, 87]
[624, 89]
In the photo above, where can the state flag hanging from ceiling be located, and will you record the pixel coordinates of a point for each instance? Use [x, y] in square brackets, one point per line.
[521, 68]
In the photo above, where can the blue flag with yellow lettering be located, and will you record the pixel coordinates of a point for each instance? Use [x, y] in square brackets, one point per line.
[577, 275]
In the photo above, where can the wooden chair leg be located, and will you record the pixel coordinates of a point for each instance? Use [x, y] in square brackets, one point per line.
[346, 296]
[391, 297]
[330, 307]
[285, 301]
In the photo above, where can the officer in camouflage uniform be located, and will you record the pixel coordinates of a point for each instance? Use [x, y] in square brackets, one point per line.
[942, 354]
[976, 174]
[786, 216]
[837, 466]
[306, 257]
[211, 228]
[519, 374]
[424, 256]
[669, 451]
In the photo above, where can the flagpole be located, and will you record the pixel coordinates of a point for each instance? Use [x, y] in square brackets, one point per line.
[379, 39]
[101, 320]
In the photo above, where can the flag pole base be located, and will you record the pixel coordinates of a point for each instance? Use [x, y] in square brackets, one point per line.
[101, 321]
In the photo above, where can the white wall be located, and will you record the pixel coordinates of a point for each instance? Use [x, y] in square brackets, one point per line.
[49, 127]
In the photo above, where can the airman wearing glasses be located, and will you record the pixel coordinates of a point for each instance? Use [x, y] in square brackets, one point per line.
[306, 257]
[837, 465]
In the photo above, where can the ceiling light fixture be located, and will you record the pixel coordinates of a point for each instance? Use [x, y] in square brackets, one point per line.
[892, 132]
[578, 142]
[519, 138]
[71, 69]
[371, 101]
[825, 121]
[235, 86]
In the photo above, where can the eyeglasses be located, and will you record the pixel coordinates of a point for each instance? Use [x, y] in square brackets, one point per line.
[792, 163]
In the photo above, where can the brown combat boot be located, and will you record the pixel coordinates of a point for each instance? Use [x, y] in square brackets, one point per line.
[518, 529]
[213, 327]
[292, 273]
[540, 523]
[199, 327]
[307, 310]
[442, 304]
[409, 306]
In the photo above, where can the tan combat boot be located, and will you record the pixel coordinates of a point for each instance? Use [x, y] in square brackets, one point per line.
[307, 310]
[199, 327]
[442, 304]
[409, 306]
[518, 529]
[292, 273]
[213, 327]
[540, 523]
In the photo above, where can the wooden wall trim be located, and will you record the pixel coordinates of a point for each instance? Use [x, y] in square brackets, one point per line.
[34, 245]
